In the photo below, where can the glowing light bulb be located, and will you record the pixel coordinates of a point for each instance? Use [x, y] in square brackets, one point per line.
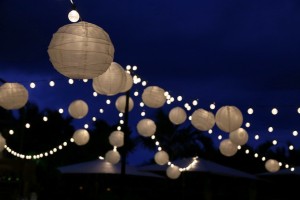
[73, 16]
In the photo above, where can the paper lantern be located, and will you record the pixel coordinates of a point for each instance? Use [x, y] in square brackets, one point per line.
[81, 137]
[203, 120]
[81, 50]
[161, 157]
[2, 142]
[239, 136]
[128, 83]
[78, 109]
[228, 148]
[154, 97]
[13, 96]
[146, 127]
[272, 165]
[121, 103]
[116, 138]
[173, 172]
[177, 115]
[112, 156]
[229, 118]
[110, 82]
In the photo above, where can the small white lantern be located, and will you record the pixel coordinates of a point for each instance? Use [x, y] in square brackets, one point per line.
[146, 127]
[116, 138]
[81, 137]
[112, 156]
[173, 172]
[272, 165]
[239, 136]
[2, 142]
[110, 82]
[154, 97]
[203, 120]
[121, 103]
[161, 157]
[229, 118]
[227, 148]
[13, 96]
[177, 115]
[81, 50]
[128, 83]
[78, 109]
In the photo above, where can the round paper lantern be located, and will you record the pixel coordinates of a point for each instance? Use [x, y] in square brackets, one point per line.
[81, 137]
[229, 118]
[121, 103]
[227, 148]
[239, 136]
[116, 138]
[13, 96]
[173, 172]
[81, 50]
[110, 82]
[128, 83]
[177, 115]
[146, 127]
[112, 156]
[272, 165]
[203, 120]
[161, 157]
[2, 142]
[78, 109]
[154, 97]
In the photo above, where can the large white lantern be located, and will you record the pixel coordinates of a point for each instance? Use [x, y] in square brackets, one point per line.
[203, 120]
[146, 127]
[13, 96]
[81, 137]
[154, 97]
[161, 157]
[121, 103]
[116, 138]
[272, 165]
[128, 83]
[2, 142]
[110, 82]
[239, 136]
[78, 109]
[228, 148]
[112, 156]
[177, 115]
[229, 118]
[81, 50]
[173, 172]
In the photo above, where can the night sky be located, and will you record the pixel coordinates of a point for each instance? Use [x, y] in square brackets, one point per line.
[242, 53]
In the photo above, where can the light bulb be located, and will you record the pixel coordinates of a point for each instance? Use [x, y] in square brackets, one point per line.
[73, 16]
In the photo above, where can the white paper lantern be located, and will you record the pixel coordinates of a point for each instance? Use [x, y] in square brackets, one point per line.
[173, 172]
[146, 127]
[78, 109]
[110, 82]
[272, 165]
[229, 118]
[2, 142]
[177, 115]
[116, 138]
[228, 148]
[239, 136]
[128, 83]
[81, 50]
[13, 96]
[121, 103]
[112, 156]
[154, 97]
[81, 137]
[203, 120]
[161, 157]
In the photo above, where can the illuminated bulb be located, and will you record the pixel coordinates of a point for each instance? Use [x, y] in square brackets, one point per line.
[291, 147]
[287, 166]
[94, 119]
[195, 102]
[101, 110]
[247, 151]
[256, 137]
[220, 137]
[142, 104]
[179, 98]
[292, 169]
[51, 83]
[95, 94]
[186, 105]
[136, 93]
[168, 97]
[159, 148]
[72, 140]
[61, 111]
[11, 132]
[121, 122]
[168, 101]
[143, 114]
[85, 80]
[107, 101]
[120, 114]
[60, 147]
[247, 125]
[212, 106]
[65, 143]
[295, 133]
[274, 142]
[86, 126]
[190, 118]
[256, 155]
[152, 137]
[298, 110]
[274, 111]
[250, 111]
[144, 83]
[166, 93]
[263, 158]
[119, 128]
[239, 147]
[172, 99]
[156, 143]
[27, 125]
[71, 81]
[210, 131]
[270, 129]
[128, 67]
[32, 85]
[73, 16]
[45, 118]
[189, 108]
[280, 164]
[55, 150]
[134, 68]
